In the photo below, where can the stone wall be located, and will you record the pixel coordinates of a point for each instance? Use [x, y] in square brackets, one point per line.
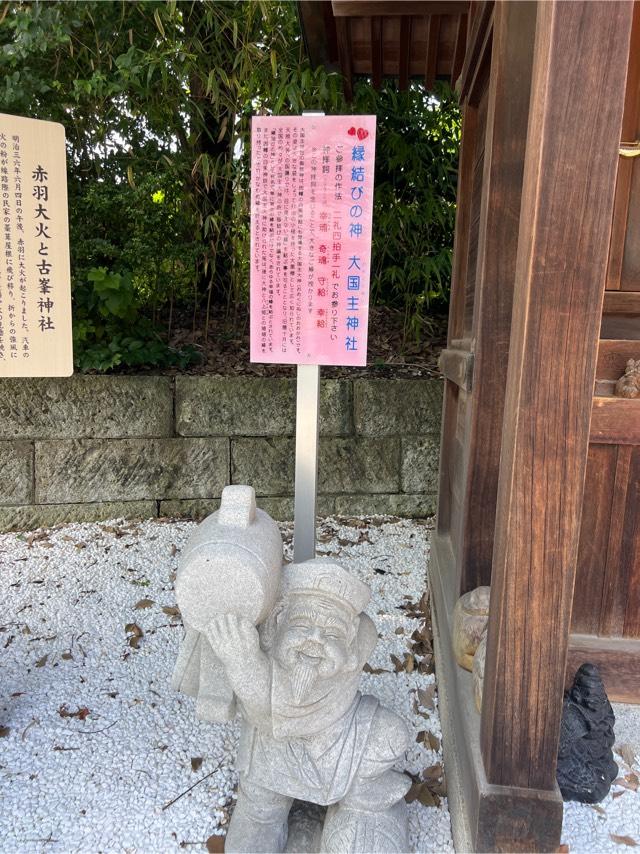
[90, 447]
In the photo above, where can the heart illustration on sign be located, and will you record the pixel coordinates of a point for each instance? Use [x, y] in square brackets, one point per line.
[362, 133]
[351, 131]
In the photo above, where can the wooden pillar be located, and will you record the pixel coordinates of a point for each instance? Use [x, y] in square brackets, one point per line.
[577, 95]
[504, 152]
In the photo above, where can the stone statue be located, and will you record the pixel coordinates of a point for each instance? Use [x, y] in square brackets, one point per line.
[470, 618]
[307, 732]
[629, 383]
[586, 767]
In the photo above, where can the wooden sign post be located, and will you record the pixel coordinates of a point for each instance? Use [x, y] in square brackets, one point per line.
[35, 281]
[311, 213]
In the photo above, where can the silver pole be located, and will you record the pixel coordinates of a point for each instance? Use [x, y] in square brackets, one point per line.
[304, 529]
[306, 486]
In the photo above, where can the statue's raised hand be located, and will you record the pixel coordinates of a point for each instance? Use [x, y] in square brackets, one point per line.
[236, 643]
[234, 639]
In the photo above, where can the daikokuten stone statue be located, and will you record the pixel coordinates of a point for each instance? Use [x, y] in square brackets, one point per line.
[307, 732]
[586, 767]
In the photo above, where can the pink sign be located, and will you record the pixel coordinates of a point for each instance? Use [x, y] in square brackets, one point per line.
[311, 211]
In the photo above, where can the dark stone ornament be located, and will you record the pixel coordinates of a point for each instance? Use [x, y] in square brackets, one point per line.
[585, 760]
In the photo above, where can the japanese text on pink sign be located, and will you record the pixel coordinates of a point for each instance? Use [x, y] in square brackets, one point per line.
[311, 212]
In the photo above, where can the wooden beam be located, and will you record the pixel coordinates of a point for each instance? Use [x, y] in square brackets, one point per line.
[405, 54]
[459, 49]
[615, 421]
[319, 32]
[625, 165]
[504, 152]
[376, 51]
[567, 201]
[395, 8]
[344, 53]
[617, 659]
[431, 67]
[613, 355]
[480, 25]
[621, 302]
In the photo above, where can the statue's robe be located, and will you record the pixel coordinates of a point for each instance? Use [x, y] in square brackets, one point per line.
[311, 751]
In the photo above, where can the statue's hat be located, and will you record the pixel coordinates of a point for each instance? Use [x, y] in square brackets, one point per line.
[325, 577]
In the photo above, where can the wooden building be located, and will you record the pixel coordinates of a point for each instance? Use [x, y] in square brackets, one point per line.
[540, 464]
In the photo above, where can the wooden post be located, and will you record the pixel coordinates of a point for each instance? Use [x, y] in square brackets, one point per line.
[577, 96]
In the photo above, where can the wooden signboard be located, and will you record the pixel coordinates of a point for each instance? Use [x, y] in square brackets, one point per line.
[35, 283]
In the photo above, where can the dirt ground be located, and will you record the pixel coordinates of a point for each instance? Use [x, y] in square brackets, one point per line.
[391, 353]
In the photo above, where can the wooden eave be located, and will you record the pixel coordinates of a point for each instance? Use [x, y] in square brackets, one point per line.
[402, 39]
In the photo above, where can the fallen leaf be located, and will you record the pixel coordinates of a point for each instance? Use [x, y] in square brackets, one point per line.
[598, 809]
[627, 752]
[4, 731]
[81, 713]
[174, 550]
[399, 630]
[563, 849]
[42, 661]
[171, 610]
[434, 741]
[426, 696]
[215, 844]
[144, 603]
[623, 840]
[67, 656]
[135, 633]
[374, 670]
[421, 792]
[80, 545]
[196, 763]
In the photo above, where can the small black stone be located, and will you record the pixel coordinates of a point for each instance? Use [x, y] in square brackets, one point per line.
[585, 759]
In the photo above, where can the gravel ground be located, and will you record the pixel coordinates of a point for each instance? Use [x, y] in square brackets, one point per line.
[97, 752]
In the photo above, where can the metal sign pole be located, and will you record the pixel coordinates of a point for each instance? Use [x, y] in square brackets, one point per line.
[304, 529]
[306, 485]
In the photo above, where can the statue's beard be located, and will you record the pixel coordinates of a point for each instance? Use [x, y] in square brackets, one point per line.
[304, 676]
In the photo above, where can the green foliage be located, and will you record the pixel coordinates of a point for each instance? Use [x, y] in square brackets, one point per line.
[156, 98]
[415, 189]
[109, 331]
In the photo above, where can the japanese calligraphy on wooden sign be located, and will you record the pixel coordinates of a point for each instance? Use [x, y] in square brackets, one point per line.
[35, 285]
[311, 212]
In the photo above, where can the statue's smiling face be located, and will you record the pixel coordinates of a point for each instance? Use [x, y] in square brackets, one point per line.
[314, 641]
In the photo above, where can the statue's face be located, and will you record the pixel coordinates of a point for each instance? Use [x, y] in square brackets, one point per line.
[314, 641]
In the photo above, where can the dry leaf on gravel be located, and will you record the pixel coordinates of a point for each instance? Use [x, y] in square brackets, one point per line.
[81, 713]
[426, 697]
[623, 840]
[627, 752]
[171, 610]
[422, 793]
[4, 731]
[42, 661]
[196, 763]
[376, 671]
[144, 603]
[135, 633]
[215, 844]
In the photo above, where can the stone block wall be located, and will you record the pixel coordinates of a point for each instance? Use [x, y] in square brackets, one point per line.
[97, 447]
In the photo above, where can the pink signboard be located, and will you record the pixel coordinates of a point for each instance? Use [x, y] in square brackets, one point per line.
[311, 211]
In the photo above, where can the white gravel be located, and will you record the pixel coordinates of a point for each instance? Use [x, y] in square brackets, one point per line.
[98, 746]
[614, 824]
[103, 779]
